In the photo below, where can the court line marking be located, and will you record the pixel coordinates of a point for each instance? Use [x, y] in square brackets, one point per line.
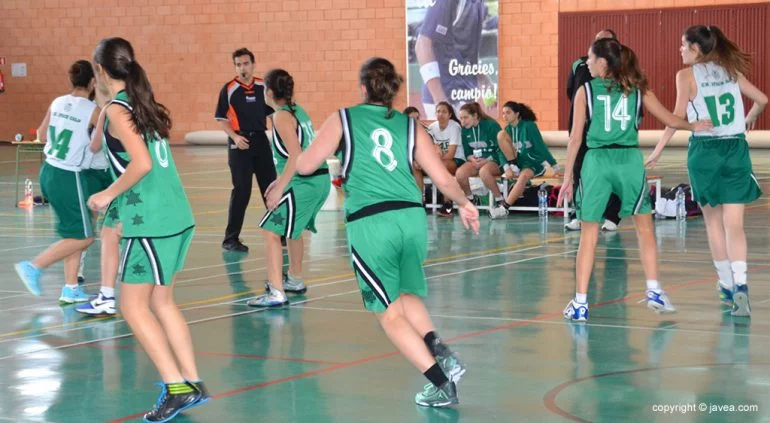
[258, 310]
[220, 354]
[672, 328]
[472, 334]
[310, 283]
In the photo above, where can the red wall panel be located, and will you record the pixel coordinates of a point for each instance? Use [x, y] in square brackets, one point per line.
[655, 36]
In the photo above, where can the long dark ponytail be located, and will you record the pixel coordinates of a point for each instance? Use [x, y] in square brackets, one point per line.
[281, 84]
[149, 117]
[716, 47]
[622, 65]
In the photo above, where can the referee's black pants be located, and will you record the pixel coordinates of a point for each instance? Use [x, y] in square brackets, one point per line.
[244, 164]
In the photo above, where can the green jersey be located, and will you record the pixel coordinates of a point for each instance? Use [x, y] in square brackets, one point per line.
[157, 205]
[305, 136]
[529, 144]
[376, 152]
[613, 117]
[482, 139]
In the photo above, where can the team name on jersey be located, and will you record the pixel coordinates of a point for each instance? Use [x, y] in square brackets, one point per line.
[68, 117]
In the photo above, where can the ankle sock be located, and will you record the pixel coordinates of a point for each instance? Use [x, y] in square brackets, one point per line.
[436, 376]
[739, 272]
[177, 388]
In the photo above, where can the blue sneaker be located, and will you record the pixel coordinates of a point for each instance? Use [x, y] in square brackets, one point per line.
[98, 304]
[30, 275]
[741, 306]
[725, 294]
[658, 301]
[576, 312]
[73, 295]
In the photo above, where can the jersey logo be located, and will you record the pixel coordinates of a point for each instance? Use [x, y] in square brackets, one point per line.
[161, 153]
[251, 99]
[441, 29]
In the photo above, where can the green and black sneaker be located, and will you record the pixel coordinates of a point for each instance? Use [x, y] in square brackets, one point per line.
[174, 398]
[200, 387]
[431, 396]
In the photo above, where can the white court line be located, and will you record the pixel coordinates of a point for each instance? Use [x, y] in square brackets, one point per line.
[323, 258]
[636, 258]
[334, 282]
[554, 322]
[689, 251]
[218, 317]
[20, 294]
[24, 248]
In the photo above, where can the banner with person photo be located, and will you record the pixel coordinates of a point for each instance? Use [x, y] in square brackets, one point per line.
[452, 48]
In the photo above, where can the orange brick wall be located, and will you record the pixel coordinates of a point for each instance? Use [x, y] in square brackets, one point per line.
[185, 47]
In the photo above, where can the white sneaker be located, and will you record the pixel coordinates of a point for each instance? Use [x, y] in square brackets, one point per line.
[658, 301]
[98, 305]
[609, 226]
[499, 211]
[573, 225]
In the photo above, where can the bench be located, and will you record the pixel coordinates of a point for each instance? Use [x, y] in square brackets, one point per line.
[503, 183]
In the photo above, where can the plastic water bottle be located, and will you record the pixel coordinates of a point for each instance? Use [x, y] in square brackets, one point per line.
[28, 194]
[542, 201]
[681, 213]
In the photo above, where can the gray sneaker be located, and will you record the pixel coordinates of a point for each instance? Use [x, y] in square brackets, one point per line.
[274, 298]
[292, 285]
[431, 396]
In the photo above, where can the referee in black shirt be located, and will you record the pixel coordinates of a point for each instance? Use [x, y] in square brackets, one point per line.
[578, 76]
[242, 113]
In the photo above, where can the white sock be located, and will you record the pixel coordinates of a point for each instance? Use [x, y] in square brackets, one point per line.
[499, 198]
[739, 272]
[72, 285]
[581, 298]
[107, 292]
[469, 197]
[725, 273]
[653, 285]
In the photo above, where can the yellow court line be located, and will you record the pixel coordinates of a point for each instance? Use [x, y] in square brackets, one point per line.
[309, 283]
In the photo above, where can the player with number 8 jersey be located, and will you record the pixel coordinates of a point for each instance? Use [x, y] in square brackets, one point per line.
[386, 226]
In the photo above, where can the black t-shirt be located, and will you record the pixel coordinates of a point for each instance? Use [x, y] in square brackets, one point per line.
[578, 76]
[243, 106]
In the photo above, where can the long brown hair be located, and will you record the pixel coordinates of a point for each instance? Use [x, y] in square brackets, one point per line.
[475, 109]
[717, 48]
[116, 56]
[622, 65]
